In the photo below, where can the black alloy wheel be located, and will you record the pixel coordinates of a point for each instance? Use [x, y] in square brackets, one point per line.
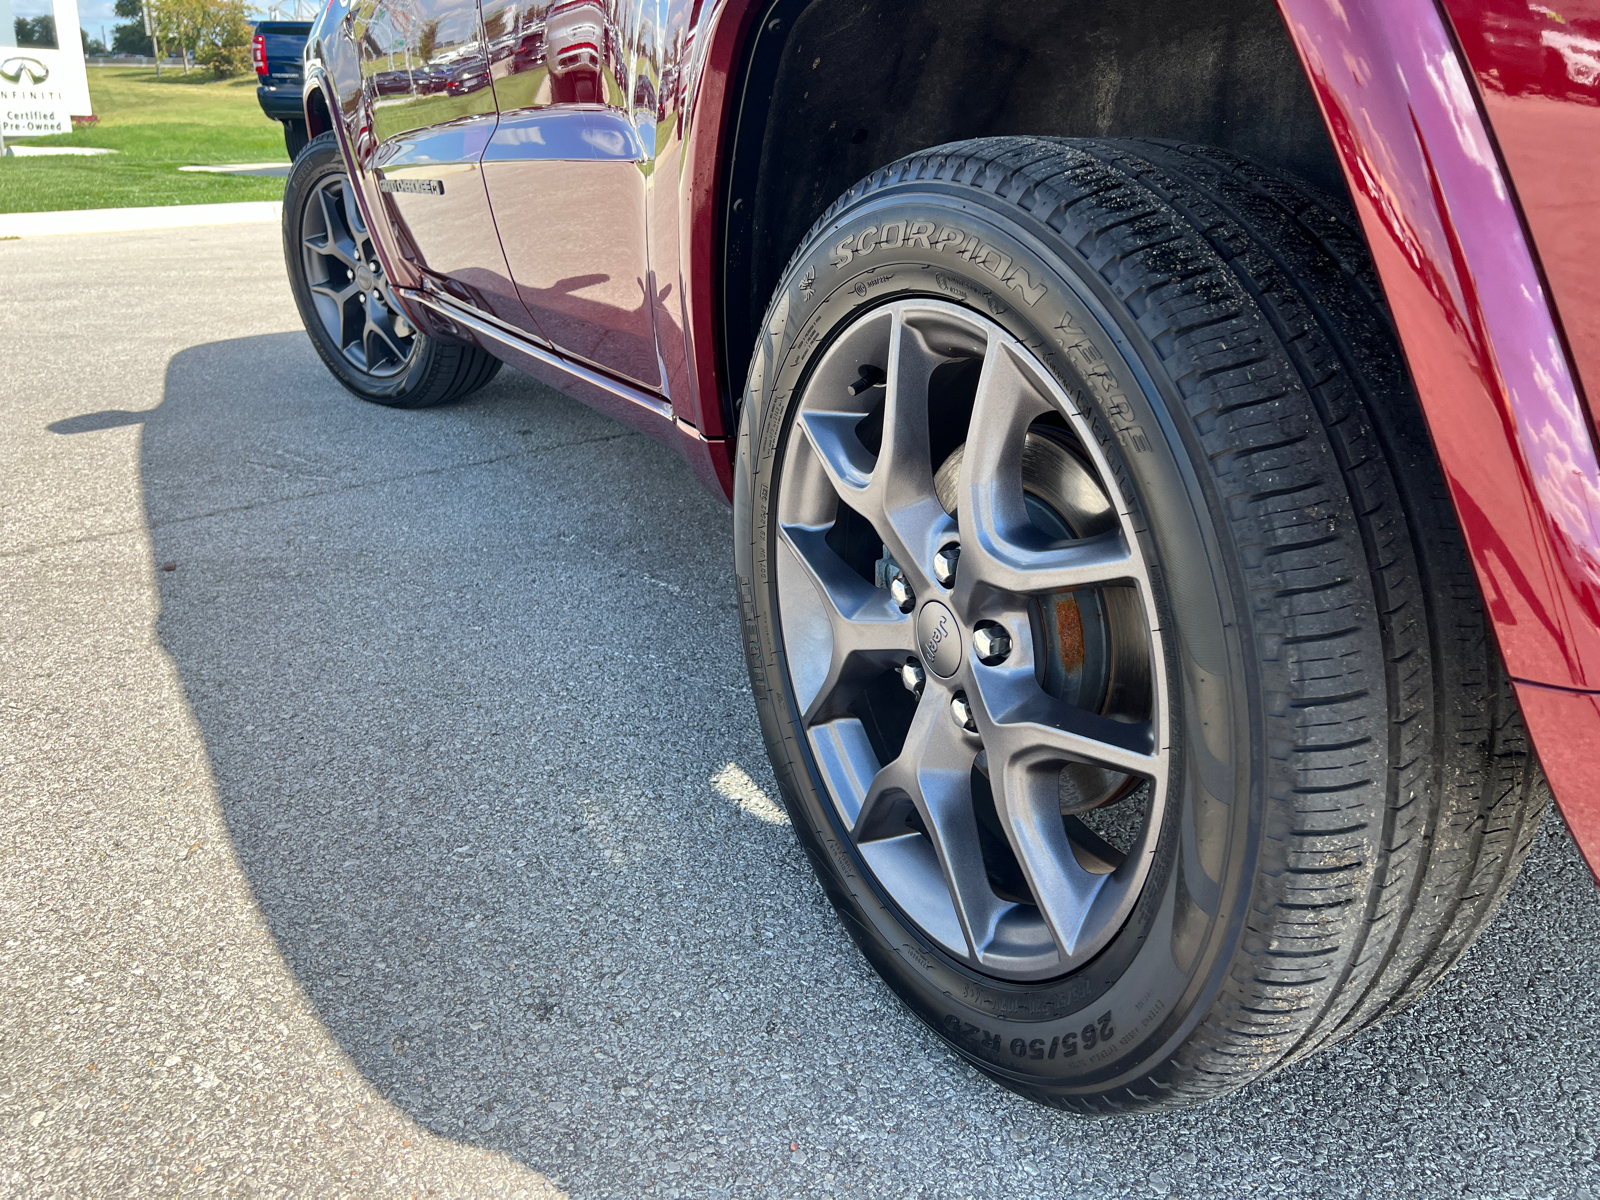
[352, 317]
[1111, 632]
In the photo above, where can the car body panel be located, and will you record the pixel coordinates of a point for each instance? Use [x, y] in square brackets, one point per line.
[425, 73]
[568, 171]
[1538, 74]
[1480, 338]
[1441, 218]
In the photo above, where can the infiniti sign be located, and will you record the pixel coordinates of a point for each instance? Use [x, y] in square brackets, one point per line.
[43, 87]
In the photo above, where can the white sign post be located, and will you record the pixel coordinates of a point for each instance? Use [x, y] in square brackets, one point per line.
[42, 90]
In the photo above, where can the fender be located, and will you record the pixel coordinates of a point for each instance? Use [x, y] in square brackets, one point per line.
[722, 35]
[319, 83]
[1475, 321]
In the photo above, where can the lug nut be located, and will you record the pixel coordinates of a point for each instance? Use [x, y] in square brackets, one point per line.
[913, 676]
[992, 643]
[944, 565]
[962, 710]
[900, 589]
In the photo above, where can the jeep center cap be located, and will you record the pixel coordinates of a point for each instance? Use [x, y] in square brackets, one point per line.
[939, 639]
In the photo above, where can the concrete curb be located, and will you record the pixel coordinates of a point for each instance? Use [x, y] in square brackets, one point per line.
[266, 170]
[120, 220]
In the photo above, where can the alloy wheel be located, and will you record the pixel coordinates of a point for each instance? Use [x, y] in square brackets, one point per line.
[968, 622]
[351, 296]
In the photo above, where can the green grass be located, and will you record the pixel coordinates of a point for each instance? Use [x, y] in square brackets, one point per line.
[157, 126]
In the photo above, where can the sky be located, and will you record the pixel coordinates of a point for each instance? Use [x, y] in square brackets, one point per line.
[92, 14]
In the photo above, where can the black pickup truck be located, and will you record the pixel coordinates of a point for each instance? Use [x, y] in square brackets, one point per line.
[276, 51]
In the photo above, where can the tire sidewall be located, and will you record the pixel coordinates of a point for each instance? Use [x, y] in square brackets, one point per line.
[319, 159]
[1140, 998]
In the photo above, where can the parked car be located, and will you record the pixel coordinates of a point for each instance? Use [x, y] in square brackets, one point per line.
[577, 36]
[276, 50]
[1166, 513]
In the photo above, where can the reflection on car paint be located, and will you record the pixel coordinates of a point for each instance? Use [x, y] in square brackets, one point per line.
[569, 168]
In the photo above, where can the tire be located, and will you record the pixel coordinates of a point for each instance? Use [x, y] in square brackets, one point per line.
[1321, 790]
[294, 138]
[359, 331]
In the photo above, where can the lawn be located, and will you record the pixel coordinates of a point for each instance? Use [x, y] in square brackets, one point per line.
[157, 126]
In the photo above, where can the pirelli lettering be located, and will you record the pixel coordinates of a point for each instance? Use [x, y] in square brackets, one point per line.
[945, 239]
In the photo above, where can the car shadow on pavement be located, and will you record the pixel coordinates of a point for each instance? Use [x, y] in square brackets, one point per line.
[470, 683]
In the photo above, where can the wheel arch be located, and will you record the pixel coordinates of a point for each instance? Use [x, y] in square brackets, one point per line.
[847, 87]
[318, 115]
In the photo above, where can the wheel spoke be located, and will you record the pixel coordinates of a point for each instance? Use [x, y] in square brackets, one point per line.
[379, 326]
[337, 295]
[934, 771]
[353, 221]
[864, 632]
[340, 244]
[1028, 737]
[1030, 811]
[893, 491]
[1001, 549]
[1018, 719]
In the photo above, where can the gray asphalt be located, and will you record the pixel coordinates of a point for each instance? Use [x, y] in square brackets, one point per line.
[412, 834]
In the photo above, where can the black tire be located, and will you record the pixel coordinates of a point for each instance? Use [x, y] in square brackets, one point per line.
[1351, 791]
[420, 371]
[294, 138]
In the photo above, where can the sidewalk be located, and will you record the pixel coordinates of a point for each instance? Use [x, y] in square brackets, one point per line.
[118, 220]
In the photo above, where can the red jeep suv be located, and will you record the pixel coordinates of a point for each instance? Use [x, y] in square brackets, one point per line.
[1166, 513]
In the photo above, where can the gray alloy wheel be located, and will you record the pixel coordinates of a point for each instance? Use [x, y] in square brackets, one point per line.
[349, 291]
[361, 334]
[1011, 606]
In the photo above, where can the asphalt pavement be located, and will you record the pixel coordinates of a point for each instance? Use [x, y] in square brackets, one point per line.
[382, 812]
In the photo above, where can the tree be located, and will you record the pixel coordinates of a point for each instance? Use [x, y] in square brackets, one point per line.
[39, 32]
[428, 39]
[131, 38]
[212, 32]
[91, 45]
[177, 23]
[225, 38]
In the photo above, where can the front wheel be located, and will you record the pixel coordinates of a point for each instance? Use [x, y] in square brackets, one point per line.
[1112, 635]
[359, 330]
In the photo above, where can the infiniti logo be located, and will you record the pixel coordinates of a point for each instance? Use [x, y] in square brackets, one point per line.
[13, 69]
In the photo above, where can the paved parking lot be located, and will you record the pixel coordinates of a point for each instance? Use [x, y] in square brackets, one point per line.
[382, 812]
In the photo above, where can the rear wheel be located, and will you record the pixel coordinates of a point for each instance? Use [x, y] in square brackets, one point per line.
[1111, 632]
[359, 330]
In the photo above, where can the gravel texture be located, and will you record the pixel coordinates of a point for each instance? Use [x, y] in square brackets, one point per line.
[384, 814]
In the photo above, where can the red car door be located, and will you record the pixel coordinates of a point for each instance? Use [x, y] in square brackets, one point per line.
[568, 172]
[425, 72]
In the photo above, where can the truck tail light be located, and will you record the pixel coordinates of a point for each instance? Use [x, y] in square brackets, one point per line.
[258, 53]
